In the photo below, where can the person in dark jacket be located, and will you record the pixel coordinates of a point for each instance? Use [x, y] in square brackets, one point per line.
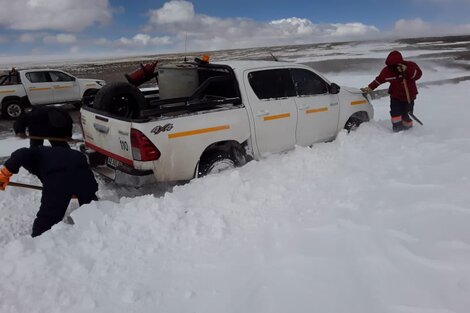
[50, 122]
[64, 173]
[402, 76]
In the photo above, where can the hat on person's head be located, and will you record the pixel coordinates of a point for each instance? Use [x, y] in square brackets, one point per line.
[394, 58]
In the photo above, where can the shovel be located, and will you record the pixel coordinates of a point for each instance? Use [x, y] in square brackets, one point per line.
[409, 101]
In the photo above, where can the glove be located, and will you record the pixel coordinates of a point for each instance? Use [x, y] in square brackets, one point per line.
[366, 89]
[401, 68]
[5, 175]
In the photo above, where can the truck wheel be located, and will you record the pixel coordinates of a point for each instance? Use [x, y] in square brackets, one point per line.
[355, 120]
[120, 99]
[216, 162]
[88, 98]
[11, 109]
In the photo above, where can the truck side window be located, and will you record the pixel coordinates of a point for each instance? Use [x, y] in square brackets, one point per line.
[60, 77]
[308, 83]
[38, 77]
[272, 84]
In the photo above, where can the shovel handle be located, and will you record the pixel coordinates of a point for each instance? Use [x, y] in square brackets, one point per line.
[35, 187]
[15, 184]
[55, 139]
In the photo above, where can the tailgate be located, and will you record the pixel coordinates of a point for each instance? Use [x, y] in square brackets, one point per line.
[108, 136]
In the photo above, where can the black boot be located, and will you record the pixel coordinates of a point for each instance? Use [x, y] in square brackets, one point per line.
[397, 127]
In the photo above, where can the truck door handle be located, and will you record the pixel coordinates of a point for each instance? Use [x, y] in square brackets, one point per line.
[262, 113]
[303, 107]
[101, 129]
[334, 103]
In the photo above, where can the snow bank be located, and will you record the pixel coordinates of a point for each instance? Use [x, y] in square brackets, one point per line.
[372, 222]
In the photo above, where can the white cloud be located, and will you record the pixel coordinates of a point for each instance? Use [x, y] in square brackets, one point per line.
[173, 12]
[294, 25]
[418, 27]
[143, 40]
[61, 15]
[60, 38]
[350, 30]
[178, 19]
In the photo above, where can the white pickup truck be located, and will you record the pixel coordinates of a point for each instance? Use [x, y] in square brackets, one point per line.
[24, 88]
[214, 116]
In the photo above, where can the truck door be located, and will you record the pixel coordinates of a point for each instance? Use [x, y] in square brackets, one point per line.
[38, 87]
[65, 87]
[271, 96]
[318, 110]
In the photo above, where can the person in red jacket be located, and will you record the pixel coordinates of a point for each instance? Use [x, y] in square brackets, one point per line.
[402, 76]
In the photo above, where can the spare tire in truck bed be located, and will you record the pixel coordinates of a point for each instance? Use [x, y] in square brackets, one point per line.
[120, 99]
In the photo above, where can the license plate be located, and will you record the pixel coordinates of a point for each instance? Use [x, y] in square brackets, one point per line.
[113, 163]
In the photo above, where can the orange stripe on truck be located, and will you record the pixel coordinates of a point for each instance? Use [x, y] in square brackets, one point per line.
[275, 117]
[324, 109]
[359, 102]
[7, 91]
[39, 89]
[198, 131]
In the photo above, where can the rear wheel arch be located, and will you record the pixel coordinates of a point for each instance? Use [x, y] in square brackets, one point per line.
[217, 152]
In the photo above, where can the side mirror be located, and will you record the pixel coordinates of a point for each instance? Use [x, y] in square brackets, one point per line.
[334, 88]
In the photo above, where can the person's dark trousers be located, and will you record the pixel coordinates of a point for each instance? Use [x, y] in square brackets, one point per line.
[54, 203]
[399, 112]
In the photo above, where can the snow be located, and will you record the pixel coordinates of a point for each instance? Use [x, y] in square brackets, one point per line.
[374, 221]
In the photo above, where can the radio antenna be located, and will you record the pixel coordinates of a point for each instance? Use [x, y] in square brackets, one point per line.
[185, 45]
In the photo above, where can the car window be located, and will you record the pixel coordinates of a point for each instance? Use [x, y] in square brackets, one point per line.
[308, 83]
[272, 84]
[60, 77]
[38, 77]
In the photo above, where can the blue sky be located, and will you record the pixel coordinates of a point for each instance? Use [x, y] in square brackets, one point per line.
[70, 28]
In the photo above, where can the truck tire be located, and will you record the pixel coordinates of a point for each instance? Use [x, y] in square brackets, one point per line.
[12, 109]
[120, 99]
[216, 162]
[355, 120]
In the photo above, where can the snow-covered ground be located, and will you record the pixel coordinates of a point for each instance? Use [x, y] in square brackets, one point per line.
[374, 221]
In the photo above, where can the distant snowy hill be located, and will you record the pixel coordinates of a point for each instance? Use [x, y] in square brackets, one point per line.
[374, 221]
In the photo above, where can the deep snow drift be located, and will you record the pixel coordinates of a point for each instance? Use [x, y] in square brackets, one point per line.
[374, 221]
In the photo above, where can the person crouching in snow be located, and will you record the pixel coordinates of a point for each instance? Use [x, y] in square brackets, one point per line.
[64, 173]
[402, 76]
[47, 122]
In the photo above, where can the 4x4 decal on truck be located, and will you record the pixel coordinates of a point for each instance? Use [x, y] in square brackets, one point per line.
[159, 129]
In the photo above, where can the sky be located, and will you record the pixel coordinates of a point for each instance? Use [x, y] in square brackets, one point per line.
[51, 29]
[373, 221]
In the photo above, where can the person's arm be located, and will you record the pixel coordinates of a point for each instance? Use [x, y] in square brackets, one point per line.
[23, 157]
[413, 71]
[379, 80]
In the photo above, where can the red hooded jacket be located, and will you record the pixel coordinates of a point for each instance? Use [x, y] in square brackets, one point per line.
[391, 75]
